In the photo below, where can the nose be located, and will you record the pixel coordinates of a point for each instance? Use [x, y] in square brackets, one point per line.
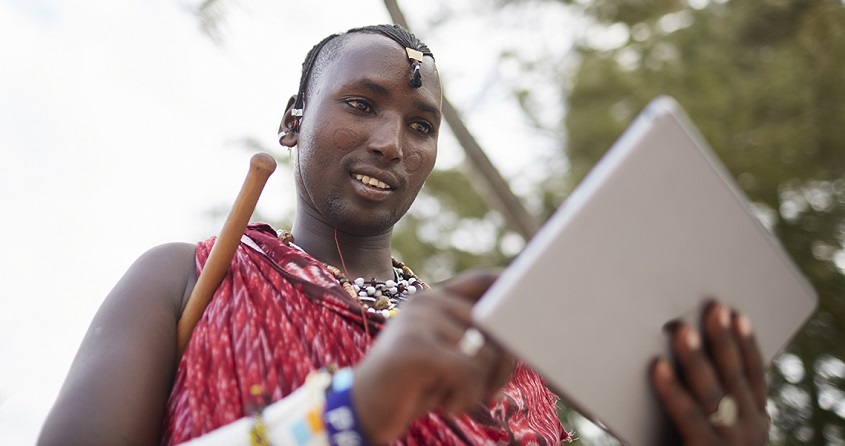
[386, 139]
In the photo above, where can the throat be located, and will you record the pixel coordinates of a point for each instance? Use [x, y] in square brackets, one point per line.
[381, 297]
[367, 256]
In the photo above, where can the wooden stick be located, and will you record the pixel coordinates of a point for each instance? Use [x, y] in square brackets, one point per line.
[261, 166]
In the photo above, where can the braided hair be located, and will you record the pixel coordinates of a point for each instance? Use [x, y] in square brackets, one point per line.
[315, 59]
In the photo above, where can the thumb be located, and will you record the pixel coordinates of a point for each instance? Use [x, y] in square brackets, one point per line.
[472, 284]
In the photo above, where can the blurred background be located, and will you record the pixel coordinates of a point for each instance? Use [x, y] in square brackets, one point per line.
[126, 124]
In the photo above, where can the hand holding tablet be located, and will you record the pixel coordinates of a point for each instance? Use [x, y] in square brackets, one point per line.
[656, 231]
[702, 409]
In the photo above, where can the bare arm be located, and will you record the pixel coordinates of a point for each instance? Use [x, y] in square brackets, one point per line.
[118, 384]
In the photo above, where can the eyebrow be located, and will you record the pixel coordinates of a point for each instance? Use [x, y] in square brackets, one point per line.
[379, 89]
[428, 108]
[373, 86]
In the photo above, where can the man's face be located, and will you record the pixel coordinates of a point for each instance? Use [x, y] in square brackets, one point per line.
[368, 140]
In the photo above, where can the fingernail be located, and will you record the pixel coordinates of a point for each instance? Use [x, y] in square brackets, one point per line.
[662, 368]
[708, 305]
[672, 326]
[692, 339]
[743, 325]
[724, 318]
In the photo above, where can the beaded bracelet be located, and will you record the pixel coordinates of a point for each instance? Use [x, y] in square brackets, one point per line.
[339, 415]
[296, 420]
[320, 412]
[300, 423]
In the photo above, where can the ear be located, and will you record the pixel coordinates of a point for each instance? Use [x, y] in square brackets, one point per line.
[291, 138]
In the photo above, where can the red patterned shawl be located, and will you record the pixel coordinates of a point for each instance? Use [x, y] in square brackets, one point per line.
[271, 323]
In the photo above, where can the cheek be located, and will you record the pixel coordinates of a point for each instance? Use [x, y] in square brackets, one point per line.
[413, 162]
[346, 139]
[419, 161]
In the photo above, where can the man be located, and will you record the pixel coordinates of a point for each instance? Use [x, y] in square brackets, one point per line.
[365, 125]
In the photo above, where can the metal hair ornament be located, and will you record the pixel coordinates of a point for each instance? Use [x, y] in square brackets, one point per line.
[414, 54]
[416, 58]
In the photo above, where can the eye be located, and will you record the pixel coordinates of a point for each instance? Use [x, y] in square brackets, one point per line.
[359, 104]
[422, 127]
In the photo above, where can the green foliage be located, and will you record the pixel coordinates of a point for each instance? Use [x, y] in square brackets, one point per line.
[450, 229]
[764, 82]
[629, 12]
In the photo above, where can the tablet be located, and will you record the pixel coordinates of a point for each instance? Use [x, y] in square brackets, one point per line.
[655, 229]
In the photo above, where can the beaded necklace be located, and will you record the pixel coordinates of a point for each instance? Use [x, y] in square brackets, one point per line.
[374, 296]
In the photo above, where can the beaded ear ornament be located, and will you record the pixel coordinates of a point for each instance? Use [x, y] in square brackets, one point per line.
[416, 58]
[297, 119]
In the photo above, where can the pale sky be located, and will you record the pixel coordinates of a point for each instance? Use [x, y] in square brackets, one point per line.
[119, 130]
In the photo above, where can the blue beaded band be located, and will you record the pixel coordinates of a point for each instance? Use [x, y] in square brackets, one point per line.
[339, 415]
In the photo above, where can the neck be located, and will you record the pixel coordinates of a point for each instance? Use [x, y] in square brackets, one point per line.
[367, 256]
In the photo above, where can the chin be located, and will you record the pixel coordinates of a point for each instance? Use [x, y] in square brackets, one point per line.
[357, 222]
[369, 227]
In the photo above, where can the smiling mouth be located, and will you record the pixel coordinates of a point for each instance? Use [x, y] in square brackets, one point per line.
[370, 181]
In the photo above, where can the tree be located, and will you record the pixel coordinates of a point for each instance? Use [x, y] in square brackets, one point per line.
[764, 82]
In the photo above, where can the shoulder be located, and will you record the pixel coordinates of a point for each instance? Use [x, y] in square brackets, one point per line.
[173, 267]
[170, 254]
[154, 287]
[170, 268]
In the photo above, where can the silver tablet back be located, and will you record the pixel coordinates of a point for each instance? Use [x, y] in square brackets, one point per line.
[656, 229]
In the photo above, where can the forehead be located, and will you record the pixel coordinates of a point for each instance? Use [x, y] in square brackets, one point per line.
[375, 57]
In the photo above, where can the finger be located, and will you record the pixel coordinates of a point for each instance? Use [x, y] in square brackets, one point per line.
[452, 329]
[725, 353]
[472, 284]
[680, 405]
[698, 371]
[428, 401]
[440, 302]
[723, 347]
[487, 355]
[464, 383]
[446, 379]
[503, 367]
[464, 370]
[483, 353]
[755, 371]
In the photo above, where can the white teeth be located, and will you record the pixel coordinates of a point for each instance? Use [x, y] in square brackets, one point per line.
[371, 181]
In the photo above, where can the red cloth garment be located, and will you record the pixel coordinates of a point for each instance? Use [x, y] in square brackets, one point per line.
[278, 317]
